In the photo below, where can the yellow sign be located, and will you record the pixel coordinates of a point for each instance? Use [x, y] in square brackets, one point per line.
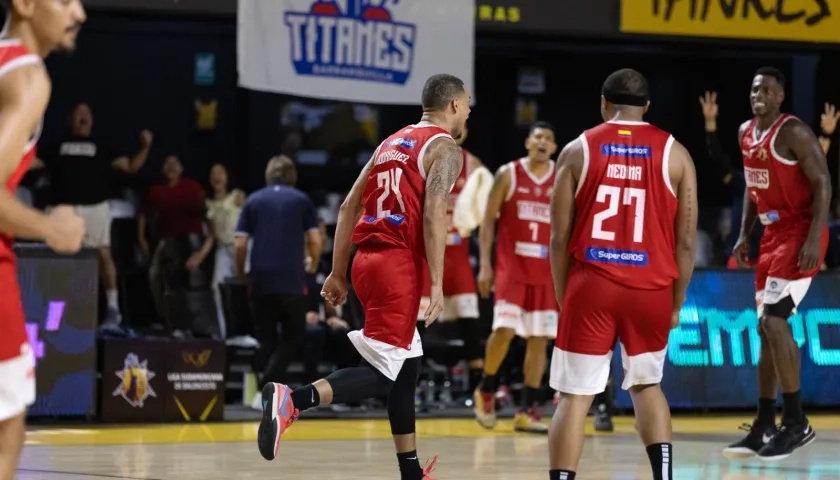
[197, 359]
[781, 20]
[206, 114]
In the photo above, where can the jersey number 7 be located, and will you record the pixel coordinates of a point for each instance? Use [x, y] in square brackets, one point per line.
[611, 195]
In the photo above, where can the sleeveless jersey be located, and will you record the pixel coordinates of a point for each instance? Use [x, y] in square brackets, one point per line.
[779, 189]
[524, 226]
[13, 55]
[625, 206]
[395, 189]
[453, 238]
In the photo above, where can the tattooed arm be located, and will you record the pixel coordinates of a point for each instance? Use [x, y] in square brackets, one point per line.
[446, 161]
[569, 167]
[684, 181]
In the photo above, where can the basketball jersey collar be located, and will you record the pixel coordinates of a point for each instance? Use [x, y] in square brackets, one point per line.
[539, 181]
[626, 122]
[753, 133]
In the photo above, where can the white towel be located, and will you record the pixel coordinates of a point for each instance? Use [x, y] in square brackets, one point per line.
[472, 201]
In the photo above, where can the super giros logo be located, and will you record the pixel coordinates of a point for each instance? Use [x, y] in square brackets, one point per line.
[135, 378]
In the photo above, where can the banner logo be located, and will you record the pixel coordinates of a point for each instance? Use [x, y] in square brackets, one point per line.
[362, 41]
[134, 387]
[197, 360]
[781, 20]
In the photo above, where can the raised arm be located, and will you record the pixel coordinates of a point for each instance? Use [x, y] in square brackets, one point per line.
[446, 162]
[569, 167]
[684, 181]
[811, 158]
[487, 230]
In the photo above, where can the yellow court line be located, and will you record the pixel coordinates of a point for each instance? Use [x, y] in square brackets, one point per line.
[344, 430]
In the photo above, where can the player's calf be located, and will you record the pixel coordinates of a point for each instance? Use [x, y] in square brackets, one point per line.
[653, 418]
[566, 434]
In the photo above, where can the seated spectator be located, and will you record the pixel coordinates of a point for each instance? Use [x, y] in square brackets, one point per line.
[223, 211]
[178, 208]
[326, 332]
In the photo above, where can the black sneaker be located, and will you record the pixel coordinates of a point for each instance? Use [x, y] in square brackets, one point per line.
[757, 437]
[789, 438]
[603, 420]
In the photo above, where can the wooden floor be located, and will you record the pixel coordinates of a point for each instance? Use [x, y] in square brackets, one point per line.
[334, 449]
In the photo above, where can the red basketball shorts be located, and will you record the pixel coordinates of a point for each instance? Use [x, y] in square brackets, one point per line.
[530, 310]
[777, 273]
[596, 312]
[17, 362]
[459, 290]
[387, 282]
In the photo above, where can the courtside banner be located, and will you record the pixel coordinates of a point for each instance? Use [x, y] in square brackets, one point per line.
[779, 20]
[712, 356]
[367, 51]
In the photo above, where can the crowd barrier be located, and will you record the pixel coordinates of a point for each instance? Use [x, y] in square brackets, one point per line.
[712, 355]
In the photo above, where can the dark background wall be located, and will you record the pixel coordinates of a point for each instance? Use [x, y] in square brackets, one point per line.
[138, 72]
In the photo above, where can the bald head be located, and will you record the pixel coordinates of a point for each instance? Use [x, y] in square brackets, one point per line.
[281, 171]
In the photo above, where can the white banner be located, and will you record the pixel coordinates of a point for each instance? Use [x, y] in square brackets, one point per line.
[367, 51]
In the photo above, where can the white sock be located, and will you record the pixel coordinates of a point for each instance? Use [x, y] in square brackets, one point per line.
[113, 299]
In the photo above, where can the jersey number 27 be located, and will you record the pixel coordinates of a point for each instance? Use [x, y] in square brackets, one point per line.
[611, 196]
[389, 182]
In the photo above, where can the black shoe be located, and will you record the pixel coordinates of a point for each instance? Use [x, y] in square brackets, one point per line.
[789, 438]
[603, 420]
[757, 437]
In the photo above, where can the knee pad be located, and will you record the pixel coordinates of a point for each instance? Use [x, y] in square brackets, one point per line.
[401, 399]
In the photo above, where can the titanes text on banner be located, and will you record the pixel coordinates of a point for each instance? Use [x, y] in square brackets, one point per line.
[371, 51]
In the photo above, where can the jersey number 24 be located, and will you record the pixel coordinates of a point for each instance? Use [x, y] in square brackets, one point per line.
[389, 182]
[611, 196]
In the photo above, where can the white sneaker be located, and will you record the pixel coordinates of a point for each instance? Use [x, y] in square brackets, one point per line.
[256, 403]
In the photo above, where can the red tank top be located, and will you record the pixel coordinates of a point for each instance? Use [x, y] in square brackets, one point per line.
[524, 226]
[625, 206]
[454, 242]
[13, 55]
[395, 188]
[777, 185]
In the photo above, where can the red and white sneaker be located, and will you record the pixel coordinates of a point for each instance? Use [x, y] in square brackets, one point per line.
[484, 409]
[427, 470]
[279, 413]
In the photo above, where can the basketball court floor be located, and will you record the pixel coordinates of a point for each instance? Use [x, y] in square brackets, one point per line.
[362, 449]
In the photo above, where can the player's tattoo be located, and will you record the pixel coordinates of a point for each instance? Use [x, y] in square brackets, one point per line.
[689, 193]
[445, 169]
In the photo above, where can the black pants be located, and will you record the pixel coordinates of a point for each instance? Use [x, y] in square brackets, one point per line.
[280, 325]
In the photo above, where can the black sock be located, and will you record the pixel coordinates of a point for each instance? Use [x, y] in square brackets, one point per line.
[792, 412]
[661, 460]
[767, 411]
[489, 383]
[475, 378]
[561, 475]
[409, 466]
[530, 397]
[306, 397]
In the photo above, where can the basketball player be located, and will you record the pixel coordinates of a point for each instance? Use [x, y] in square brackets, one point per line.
[35, 29]
[525, 304]
[398, 206]
[623, 229]
[460, 300]
[789, 190]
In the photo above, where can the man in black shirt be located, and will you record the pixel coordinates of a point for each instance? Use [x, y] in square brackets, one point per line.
[82, 172]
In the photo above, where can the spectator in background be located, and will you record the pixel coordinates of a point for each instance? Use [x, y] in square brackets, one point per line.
[82, 172]
[281, 223]
[223, 210]
[828, 124]
[177, 206]
[731, 177]
[326, 331]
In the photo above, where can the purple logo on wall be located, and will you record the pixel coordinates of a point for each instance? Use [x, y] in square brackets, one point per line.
[53, 322]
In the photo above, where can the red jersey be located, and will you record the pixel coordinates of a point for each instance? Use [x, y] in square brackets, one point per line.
[777, 186]
[13, 338]
[625, 205]
[455, 245]
[524, 226]
[395, 189]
